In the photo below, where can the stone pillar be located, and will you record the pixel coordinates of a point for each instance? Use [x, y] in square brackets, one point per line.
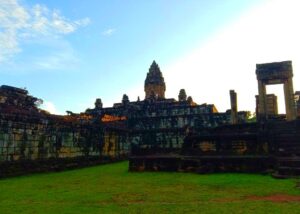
[262, 109]
[276, 73]
[289, 99]
[233, 102]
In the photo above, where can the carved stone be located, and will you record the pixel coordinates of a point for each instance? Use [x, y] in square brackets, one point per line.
[276, 73]
[272, 106]
[98, 103]
[182, 95]
[155, 83]
[125, 99]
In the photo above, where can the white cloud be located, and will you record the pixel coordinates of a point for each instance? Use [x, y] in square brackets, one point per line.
[227, 61]
[8, 45]
[18, 22]
[50, 107]
[83, 22]
[109, 32]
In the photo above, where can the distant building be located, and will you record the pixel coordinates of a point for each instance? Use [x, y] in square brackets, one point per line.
[272, 106]
[163, 122]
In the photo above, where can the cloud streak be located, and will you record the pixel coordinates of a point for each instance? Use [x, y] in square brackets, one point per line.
[109, 32]
[18, 23]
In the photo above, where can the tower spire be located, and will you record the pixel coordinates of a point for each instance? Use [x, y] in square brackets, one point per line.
[155, 83]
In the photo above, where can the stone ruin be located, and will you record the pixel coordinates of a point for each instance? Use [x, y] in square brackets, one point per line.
[157, 133]
[276, 73]
[33, 140]
[155, 86]
[207, 141]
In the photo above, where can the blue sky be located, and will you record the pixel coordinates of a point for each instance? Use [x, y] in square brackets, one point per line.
[70, 52]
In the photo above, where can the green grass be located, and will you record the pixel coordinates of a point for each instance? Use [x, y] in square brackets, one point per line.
[112, 189]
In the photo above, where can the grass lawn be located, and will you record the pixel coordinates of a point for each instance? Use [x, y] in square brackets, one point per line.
[112, 189]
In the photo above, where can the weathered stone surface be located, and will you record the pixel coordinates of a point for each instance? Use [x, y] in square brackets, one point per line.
[98, 103]
[233, 102]
[271, 108]
[161, 133]
[182, 95]
[155, 86]
[28, 133]
[275, 73]
[125, 99]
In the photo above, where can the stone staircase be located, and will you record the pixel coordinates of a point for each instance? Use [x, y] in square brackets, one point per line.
[286, 139]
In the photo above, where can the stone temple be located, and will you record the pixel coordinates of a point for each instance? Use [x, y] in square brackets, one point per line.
[155, 86]
[156, 133]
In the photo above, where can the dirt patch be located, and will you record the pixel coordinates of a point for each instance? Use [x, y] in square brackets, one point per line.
[277, 198]
[280, 198]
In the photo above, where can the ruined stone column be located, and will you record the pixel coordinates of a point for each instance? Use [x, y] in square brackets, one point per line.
[233, 102]
[289, 99]
[262, 110]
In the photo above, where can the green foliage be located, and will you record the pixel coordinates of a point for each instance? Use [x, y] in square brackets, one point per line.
[112, 189]
[251, 118]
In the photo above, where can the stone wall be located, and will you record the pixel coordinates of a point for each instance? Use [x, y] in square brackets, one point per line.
[252, 147]
[31, 138]
[166, 127]
[227, 148]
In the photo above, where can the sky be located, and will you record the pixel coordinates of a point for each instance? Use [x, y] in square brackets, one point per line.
[70, 52]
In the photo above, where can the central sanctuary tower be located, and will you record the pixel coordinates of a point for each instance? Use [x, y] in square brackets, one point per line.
[155, 86]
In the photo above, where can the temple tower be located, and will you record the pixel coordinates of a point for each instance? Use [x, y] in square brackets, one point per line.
[155, 86]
